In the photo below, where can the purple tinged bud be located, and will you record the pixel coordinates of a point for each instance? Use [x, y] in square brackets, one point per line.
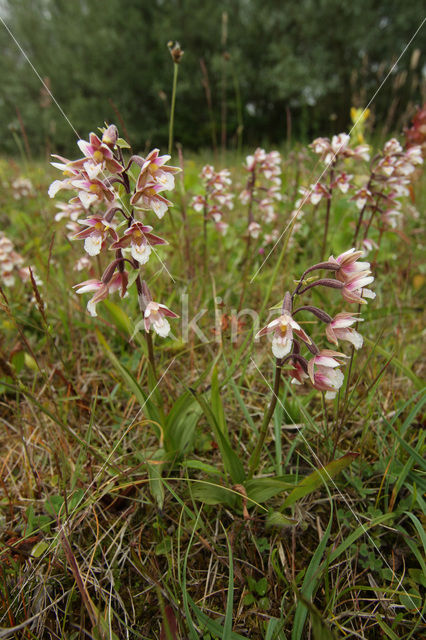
[287, 303]
[109, 271]
[331, 266]
[328, 282]
[319, 313]
[110, 135]
[325, 282]
[144, 296]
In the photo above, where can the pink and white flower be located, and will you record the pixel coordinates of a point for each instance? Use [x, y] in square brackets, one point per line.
[282, 329]
[254, 230]
[354, 289]
[148, 197]
[324, 372]
[140, 239]
[154, 169]
[118, 282]
[91, 191]
[155, 317]
[95, 235]
[348, 264]
[98, 157]
[340, 329]
[362, 197]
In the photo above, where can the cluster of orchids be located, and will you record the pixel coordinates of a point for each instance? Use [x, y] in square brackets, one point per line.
[11, 264]
[332, 153]
[263, 188]
[352, 278]
[114, 197]
[387, 182]
[216, 198]
[416, 134]
[22, 188]
[390, 176]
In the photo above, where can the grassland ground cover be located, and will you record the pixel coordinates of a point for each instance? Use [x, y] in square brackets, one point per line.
[157, 488]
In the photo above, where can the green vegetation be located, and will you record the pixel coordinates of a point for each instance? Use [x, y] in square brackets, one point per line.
[252, 72]
[127, 510]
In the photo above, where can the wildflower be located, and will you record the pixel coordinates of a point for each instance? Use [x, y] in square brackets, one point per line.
[154, 316]
[95, 234]
[354, 288]
[367, 246]
[282, 329]
[221, 226]
[22, 188]
[198, 203]
[118, 282]
[254, 229]
[314, 194]
[67, 210]
[90, 191]
[340, 142]
[110, 135]
[298, 372]
[148, 197]
[324, 372]
[175, 51]
[98, 157]
[140, 239]
[362, 197]
[82, 263]
[154, 169]
[348, 264]
[361, 152]
[342, 182]
[340, 329]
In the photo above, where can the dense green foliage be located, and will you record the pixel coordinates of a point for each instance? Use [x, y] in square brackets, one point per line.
[288, 69]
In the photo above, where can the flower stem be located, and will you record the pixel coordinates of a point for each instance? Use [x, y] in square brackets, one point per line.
[278, 264]
[151, 358]
[205, 237]
[148, 336]
[254, 459]
[327, 217]
[172, 109]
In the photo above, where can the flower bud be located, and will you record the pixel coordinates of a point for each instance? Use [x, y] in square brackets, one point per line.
[110, 135]
[175, 51]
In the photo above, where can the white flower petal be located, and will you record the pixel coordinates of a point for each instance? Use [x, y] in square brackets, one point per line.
[93, 245]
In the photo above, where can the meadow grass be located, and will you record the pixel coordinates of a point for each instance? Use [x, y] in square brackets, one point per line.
[124, 511]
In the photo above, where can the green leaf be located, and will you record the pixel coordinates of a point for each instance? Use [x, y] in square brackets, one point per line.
[261, 489]
[227, 625]
[310, 584]
[231, 462]
[153, 412]
[202, 466]
[318, 478]
[262, 587]
[277, 519]
[117, 316]
[215, 494]
[180, 423]
[216, 403]
[155, 481]
[39, 549]
[122, 144]
[214, 627]
[320, 629]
